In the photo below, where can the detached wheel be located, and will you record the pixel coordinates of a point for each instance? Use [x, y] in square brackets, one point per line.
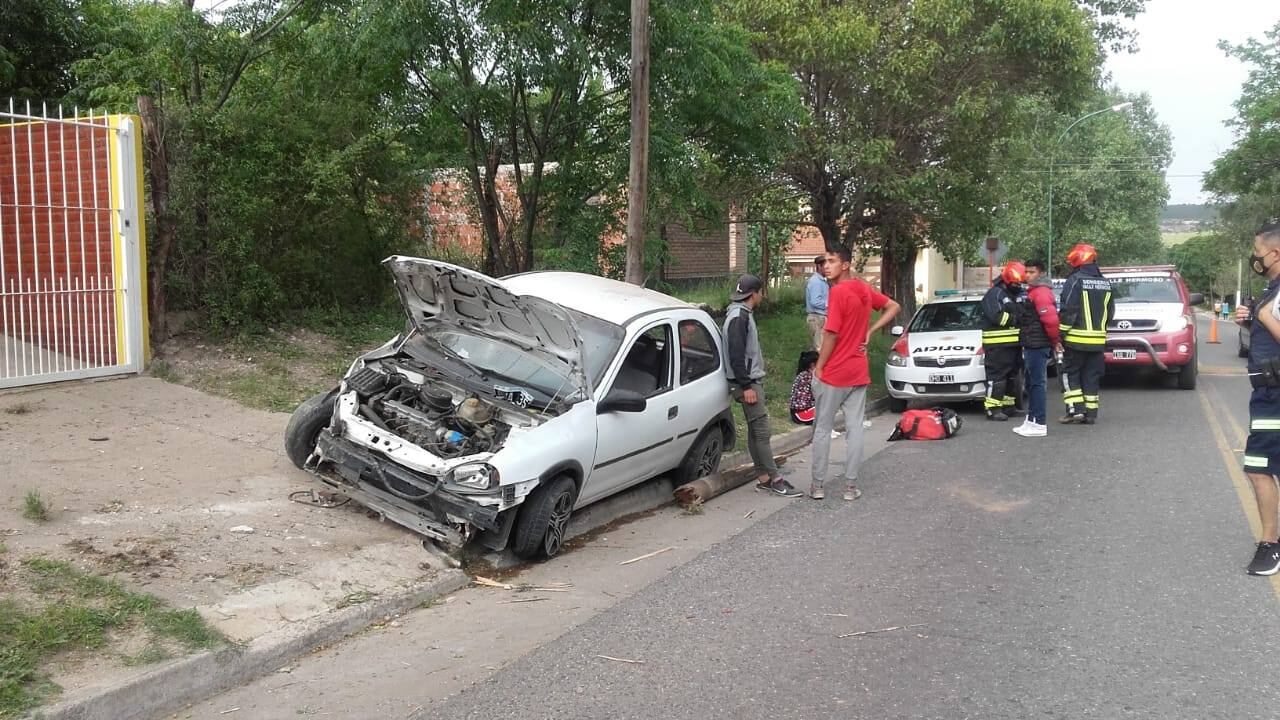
[897, 405]
[1187, 375]
[305, 425]
[543, 523]
[703, 458]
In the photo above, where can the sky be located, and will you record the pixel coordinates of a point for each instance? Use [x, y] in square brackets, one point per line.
[1191, 82]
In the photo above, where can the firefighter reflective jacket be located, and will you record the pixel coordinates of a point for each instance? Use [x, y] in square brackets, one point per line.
[1087, 306]
[1000, 317]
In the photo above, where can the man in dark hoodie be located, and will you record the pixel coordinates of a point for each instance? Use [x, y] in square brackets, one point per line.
[1040, 339]
[746, 371]
[1087, 306]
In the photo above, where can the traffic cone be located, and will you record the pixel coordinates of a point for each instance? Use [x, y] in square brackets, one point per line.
[1213, 331]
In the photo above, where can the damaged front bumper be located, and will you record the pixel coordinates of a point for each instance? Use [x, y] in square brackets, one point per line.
[400, 495]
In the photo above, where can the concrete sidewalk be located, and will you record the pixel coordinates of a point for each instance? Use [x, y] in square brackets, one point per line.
[188, 497]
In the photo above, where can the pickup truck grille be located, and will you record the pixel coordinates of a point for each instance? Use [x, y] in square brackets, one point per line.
[1131, 325]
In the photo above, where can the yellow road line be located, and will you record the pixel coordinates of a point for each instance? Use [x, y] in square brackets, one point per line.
[1244, 488]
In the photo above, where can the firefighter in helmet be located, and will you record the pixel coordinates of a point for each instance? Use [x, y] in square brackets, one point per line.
[1000, 340]
[1087, 306]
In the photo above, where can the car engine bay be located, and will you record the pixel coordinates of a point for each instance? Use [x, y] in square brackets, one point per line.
[424, 411]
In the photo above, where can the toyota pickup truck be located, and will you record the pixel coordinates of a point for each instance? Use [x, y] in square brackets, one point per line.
[1154, 326]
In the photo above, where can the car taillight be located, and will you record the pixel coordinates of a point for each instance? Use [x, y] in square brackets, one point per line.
[981, 356]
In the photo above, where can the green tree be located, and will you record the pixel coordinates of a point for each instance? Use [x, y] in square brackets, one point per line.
[907, 100]
[270, 163]
[1108, 182]
[39, 39]
[548, 100]
[1246, 178]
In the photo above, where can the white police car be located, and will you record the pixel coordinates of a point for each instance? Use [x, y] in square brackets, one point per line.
[938, 356]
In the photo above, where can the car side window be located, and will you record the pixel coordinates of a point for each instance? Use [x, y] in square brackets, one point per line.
[647, 367]
[698, 354]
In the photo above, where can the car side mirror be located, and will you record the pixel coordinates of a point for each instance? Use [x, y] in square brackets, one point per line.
[896, 331]
[619, 400]
[1197, 298]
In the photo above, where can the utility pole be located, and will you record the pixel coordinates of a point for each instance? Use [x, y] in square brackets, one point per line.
[638, 182]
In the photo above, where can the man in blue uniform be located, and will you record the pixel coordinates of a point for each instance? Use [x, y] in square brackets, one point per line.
[1262, 451]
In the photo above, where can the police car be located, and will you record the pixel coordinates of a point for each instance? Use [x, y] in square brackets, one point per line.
[938, 355]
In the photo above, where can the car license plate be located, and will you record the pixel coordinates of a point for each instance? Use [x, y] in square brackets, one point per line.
[1124, 354]
[942, 378]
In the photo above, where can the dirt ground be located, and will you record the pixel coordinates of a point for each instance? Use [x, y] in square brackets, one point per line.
[185, 496]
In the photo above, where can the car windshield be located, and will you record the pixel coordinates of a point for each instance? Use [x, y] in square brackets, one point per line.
[950, 316]
[600, 342]
[1145, 289]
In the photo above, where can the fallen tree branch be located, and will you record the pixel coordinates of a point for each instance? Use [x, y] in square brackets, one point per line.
[622, 660]
[881, 630]
[644, 557]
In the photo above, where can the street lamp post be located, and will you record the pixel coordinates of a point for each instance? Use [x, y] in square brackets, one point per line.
[1052, 153]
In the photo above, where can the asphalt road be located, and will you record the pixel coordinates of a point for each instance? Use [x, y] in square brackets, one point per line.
[1097, 572]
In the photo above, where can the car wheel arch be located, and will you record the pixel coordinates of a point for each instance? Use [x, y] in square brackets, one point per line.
[567, 468]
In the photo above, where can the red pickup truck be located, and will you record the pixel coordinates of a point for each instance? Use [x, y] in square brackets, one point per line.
[1155, 323]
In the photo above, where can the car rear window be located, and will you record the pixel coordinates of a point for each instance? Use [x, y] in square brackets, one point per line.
[941, 317]
[1145, 289]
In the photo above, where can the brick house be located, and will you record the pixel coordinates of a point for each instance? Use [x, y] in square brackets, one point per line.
[933, 272]
[451, 228]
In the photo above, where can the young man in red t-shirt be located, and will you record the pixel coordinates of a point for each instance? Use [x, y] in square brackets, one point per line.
[842, 375]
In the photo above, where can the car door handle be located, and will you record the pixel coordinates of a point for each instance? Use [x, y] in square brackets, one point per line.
[673, 411]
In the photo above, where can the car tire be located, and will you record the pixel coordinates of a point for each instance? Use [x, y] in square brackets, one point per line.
[703, 458]
[543, 522]
[897, 405]
[1187, 375]
[305, 425]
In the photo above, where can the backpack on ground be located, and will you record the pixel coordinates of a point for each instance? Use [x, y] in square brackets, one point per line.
[932, 424]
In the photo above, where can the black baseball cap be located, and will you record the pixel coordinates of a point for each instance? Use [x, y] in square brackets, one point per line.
[747, 284]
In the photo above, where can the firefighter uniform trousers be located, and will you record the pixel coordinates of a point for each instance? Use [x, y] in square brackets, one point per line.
[1081, 378]
[1002, 362]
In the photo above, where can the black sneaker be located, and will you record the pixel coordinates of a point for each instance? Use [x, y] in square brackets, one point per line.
[1088, 420]
[1266, 561]
[997, 416]
[778, 486]
[1069, 419]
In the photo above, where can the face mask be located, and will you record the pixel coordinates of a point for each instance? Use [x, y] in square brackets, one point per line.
[1257, 265]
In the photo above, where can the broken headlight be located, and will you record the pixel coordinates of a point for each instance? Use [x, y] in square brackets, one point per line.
[474, 478]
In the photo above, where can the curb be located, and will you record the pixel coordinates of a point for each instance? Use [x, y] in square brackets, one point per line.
[170, 688]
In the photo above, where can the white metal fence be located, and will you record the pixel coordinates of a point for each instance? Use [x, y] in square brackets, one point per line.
[72, 293]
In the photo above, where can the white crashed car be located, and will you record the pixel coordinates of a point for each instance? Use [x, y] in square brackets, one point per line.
[938, 356]
[507, 404]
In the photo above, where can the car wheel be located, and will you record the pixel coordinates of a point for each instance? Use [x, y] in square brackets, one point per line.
[703, 458]
[543, 524]
[897, 405]
[305, 425]
[1187, 375]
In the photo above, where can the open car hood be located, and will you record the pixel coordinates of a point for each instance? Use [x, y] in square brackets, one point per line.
[437, 293]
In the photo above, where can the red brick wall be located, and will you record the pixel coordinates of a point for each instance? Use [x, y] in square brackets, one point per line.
[697, 252]
[55, 239]
[452, 222]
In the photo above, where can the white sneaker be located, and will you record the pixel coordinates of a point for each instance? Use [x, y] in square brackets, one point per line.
[1023, 426]
[1031, 429]
[835, 434]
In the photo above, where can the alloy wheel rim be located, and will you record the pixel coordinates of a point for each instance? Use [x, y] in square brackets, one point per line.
[559, 523]
[710, 461]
